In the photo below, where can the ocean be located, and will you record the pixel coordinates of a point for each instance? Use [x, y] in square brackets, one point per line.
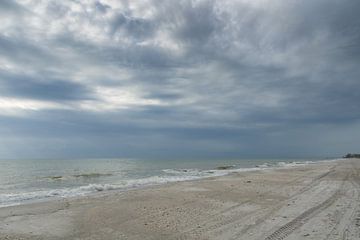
[25, 181]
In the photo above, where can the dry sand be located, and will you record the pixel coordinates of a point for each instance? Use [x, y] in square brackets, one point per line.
[319, 201]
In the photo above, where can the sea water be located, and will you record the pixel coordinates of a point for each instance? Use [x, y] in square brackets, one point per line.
[24, 181]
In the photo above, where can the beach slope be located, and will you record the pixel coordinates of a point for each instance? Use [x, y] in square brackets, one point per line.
[316, 201]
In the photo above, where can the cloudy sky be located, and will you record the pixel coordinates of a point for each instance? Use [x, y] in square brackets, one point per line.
[179, 79]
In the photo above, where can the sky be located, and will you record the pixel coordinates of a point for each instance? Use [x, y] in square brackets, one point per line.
[176, 79]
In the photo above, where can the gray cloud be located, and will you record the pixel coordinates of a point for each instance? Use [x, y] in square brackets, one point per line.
[22, 52]
[136, 27]
[184, 78]
[42, 87]
[8, 6]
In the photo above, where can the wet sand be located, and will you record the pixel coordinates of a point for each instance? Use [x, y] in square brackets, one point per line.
[317, 201]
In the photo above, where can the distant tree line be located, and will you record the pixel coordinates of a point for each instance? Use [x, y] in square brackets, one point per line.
[352, 155]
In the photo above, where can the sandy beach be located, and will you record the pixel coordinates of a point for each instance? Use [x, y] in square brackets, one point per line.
[316, 201]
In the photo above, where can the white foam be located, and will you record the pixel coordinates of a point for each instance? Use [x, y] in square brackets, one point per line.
[170, 175]
[19, 198]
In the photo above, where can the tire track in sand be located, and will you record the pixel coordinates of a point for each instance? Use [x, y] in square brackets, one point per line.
[291, 226]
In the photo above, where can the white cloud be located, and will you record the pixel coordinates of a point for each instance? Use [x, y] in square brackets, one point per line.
[20, 107]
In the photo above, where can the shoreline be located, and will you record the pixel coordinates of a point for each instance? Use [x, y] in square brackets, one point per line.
[244, 205]
[93, 189]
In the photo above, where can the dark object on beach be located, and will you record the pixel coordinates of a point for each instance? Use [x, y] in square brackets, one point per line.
[92, 175]
[225, 167]
[352, 155]
[248, 181]
[55, 177]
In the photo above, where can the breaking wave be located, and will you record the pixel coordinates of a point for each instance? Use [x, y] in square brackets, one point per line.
[169, 175]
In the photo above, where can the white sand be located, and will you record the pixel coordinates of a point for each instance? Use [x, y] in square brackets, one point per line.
[319, 201]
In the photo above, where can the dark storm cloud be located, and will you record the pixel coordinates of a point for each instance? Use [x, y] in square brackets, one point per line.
[42, 88]
[204, 78]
